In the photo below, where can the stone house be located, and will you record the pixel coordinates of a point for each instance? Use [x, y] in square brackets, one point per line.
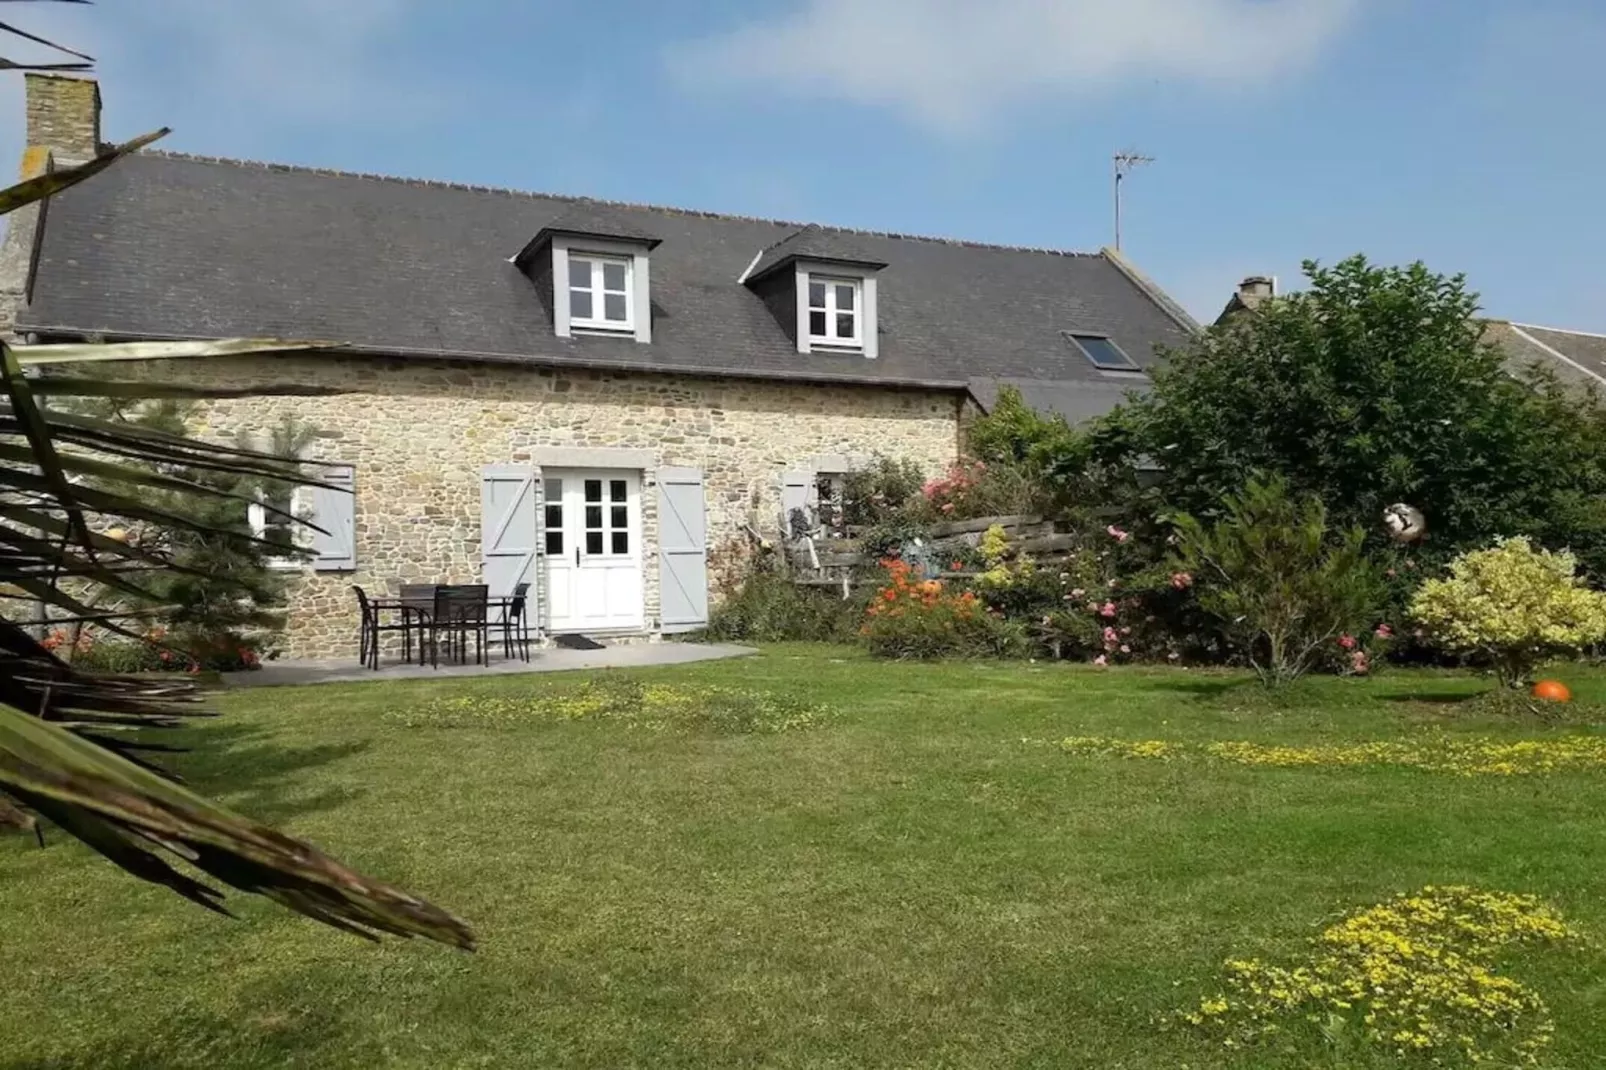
[591, 397]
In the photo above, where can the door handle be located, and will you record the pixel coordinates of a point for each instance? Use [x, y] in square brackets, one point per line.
[577, 557]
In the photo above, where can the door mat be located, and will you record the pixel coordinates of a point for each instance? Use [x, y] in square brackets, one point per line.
[576, 642]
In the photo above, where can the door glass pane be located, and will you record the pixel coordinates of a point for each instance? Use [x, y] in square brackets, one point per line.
[552, 490]
[844, 325]
[621, 517]
[554, 542]
[593, 542]
[554, 517]
[844, 298]
[593, 490]
[817, 324]
[816, 295]
[613, 276]
[613, 307]
[593, 516]
[618, 490]
[621, 542]
[580, 304]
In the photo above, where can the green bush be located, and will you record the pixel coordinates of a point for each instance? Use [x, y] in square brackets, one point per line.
[883, 489]
[767, 607]
[1285, 587]
[1514, 606]
[971, 489]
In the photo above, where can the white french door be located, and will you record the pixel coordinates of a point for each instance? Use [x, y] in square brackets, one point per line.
[593, 549]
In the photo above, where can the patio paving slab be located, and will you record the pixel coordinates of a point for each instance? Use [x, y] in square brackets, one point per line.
[546, 659]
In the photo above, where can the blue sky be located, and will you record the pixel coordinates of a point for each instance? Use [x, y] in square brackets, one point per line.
[1466, 134]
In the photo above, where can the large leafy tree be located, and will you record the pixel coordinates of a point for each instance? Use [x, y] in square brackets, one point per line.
[1373, 385]
[74, 747]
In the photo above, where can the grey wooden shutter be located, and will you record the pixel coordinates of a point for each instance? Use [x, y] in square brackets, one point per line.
[682, 550]
[335, 511]
[796, 489]
[507, 527]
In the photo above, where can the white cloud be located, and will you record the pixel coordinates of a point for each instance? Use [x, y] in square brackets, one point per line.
[954, 64]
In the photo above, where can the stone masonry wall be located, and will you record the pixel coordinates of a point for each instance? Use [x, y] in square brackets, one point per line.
[419, 432]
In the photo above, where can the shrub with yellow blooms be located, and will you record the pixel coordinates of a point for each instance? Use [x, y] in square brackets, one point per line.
[1514, 605]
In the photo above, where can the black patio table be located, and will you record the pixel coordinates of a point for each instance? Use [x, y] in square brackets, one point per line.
[416, 610]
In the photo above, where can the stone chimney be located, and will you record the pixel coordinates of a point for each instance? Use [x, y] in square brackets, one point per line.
[1253, 292]
[1257, 286]
[64, 116]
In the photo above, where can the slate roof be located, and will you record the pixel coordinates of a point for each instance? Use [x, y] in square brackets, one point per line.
[1575, 356]
[813, 242]
[170, 246]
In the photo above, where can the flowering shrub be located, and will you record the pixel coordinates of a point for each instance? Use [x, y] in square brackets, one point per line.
[913, 618]
[1514, 605]
[971, 489]
[96, 652]
[1414, 975]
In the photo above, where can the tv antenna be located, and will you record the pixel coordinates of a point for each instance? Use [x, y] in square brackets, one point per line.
[1124, 162]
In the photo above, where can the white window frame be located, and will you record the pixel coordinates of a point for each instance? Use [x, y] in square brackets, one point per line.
[599, 292]
[300, 535]
[638, 306]
[866, 333]
[832, 311]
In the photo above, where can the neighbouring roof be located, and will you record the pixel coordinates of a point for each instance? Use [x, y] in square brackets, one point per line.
[1077, 402]
[170, 246]
[1575, 356]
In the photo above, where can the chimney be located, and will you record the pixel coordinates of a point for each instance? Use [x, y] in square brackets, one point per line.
[1257, 286]
[64, 115]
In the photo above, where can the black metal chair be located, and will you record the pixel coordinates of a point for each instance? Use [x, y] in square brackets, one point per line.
[418, 603]
[461, 609]
[515, 622]
[372, 627]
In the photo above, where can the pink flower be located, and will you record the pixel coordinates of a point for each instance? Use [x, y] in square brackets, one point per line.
[1107, 610]
[1101, 661]
[1117, 534]
[1358, 662]
[1182, 580]
[1125, 649]
[1109, 635]
[1077, 592]
[1126, 631]
[1384, 631]
[1347, 642]
[947, 507]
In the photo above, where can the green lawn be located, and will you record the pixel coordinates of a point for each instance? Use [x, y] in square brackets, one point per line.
[909, 885]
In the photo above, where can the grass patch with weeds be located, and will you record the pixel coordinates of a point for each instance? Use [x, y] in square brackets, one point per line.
[626, 701]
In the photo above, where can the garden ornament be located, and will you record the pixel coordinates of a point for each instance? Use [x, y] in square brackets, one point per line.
[1405, 523]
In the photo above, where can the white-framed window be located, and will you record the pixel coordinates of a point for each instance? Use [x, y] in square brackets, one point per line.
[272, 526]
[836, 311]
[600, 294]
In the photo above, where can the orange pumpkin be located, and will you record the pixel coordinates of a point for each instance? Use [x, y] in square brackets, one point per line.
[1552, 691]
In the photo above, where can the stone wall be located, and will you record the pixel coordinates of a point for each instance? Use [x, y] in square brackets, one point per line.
[418, 433]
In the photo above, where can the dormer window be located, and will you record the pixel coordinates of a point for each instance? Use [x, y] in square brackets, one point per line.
[600, 295]
[591, 267]
[836, 311]
[821, 286]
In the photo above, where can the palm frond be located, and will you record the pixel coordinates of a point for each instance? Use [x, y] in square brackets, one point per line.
[70, 743]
